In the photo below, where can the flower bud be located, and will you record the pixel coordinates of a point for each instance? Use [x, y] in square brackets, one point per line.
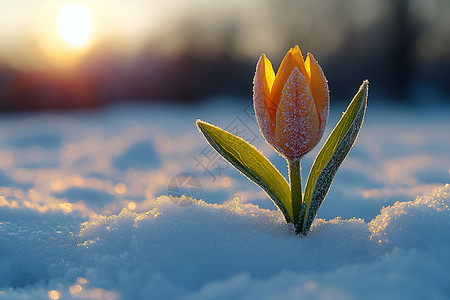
[292, 107]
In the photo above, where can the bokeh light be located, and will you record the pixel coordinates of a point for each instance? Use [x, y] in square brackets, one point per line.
[74, 24]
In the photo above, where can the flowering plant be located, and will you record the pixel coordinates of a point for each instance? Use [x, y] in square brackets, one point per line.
[292, 108]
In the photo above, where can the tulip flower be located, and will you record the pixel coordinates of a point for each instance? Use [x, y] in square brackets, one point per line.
[291, 109]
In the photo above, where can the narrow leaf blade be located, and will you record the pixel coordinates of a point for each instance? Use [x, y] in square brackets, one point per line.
[250, 162]
[332, 154]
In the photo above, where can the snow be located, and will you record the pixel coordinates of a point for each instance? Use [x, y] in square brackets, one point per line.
[85, 211]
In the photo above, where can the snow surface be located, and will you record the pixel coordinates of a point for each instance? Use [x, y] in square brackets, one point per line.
[84, 211]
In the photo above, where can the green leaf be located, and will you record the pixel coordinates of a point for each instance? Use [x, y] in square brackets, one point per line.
[332, 154]
[250, 162]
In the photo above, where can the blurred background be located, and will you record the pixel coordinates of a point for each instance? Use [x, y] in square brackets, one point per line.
[86, 54]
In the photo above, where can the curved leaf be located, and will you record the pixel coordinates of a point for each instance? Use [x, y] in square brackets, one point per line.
[332, 154]
[250, 162]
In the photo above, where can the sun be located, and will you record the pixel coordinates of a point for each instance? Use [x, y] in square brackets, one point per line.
[74, 24]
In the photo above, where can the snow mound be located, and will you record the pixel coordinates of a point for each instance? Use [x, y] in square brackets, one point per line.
[422, 223]
[231, 250]
[235, 250]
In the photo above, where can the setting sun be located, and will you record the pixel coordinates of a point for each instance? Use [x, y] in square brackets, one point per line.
[74, 24]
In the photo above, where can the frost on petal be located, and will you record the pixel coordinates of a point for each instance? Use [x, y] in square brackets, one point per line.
[319, 90]
[262, 84]
[297, 123]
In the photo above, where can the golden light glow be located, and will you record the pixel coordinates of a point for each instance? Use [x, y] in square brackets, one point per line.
[74, 24]
[65, 33]
[75, 289]
[131, 206]
[82, 280]
[54, 295]
[67, 207]
[225, 182]
[120, 188]
[366, 194]
[19, 194]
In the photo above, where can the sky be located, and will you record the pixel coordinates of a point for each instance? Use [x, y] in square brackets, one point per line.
[79, 53]
[30, 35]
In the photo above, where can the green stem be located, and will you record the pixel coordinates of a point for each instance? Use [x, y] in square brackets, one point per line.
[295, 179]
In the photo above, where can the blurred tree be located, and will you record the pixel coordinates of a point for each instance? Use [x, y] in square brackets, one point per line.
[401, 42]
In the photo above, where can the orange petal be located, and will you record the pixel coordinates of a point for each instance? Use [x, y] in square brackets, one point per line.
[297, 123]
[297, 53]
[319, 89]
[292, 59]
[262, 84]
[283, 73]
